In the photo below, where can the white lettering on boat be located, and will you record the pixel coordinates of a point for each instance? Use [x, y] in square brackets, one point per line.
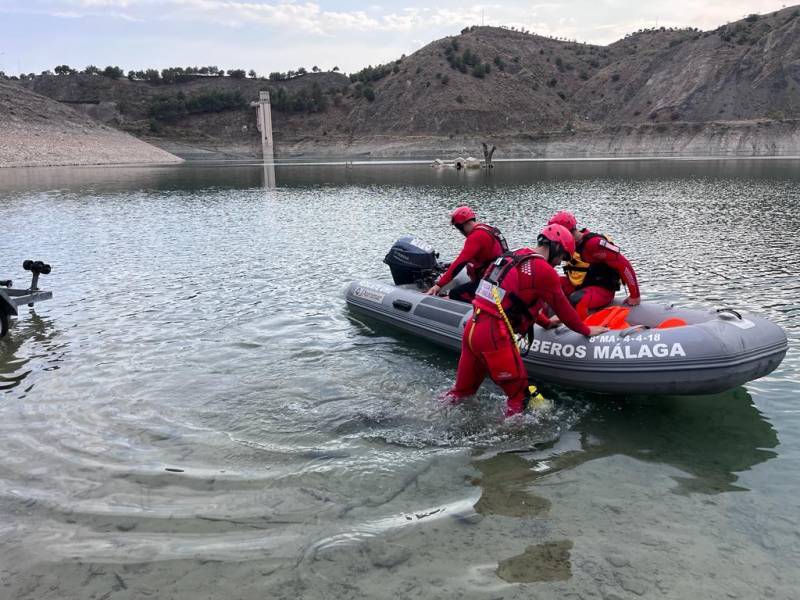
[643, 351]
[607, 351]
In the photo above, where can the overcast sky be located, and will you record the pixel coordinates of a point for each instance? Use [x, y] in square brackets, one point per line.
[275, 35]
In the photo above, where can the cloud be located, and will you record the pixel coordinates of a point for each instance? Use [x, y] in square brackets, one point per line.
[598, 21]
[306, 17]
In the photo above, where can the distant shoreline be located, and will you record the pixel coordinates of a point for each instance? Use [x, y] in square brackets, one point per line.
[345, 162]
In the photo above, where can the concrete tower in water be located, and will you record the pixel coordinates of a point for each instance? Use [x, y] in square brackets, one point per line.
[264, 117]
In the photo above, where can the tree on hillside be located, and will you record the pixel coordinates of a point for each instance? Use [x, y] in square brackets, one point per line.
[172, 74]
[335, 69]
[209, 70]
[64, 70]
[315, 68]
[91, 70]
[237, 73]
[152, 76]
[47, 72]
[113, 72]
[252, 74]
[318, 100]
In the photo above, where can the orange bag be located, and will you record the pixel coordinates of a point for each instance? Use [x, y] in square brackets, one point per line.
[612, 317]
[673, 322]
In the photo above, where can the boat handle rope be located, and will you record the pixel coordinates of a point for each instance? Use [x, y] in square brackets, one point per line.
[737, 314]
[626, 332]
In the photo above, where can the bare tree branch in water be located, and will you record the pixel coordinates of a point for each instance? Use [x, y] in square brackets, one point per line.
[487, 155]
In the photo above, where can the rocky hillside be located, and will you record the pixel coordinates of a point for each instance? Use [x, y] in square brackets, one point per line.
[490, 83]
[37, 131]
[742, 71]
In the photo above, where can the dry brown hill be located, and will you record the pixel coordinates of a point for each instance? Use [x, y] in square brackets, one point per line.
[744, 70]
[35, 130]
[491, 82]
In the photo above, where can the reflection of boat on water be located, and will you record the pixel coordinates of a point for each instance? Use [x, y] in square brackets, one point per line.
[710, 438]
[12, 364]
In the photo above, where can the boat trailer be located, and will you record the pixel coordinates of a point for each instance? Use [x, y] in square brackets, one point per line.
[11, 298]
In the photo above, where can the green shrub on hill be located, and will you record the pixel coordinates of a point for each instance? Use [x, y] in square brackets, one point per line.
[468, 60]
[170, 108]
[301, 101]
[370, 73]
[479, 71]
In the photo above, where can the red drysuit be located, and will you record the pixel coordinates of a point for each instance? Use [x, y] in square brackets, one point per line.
[487, 346]
[480, 249]
[606, 265]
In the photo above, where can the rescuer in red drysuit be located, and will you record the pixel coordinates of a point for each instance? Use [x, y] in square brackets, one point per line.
[595, 269]
[484, 243]
[524, 281]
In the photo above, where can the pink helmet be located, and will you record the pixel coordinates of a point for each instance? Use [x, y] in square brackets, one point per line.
[461, 215]
[564, 218]
[560, 235]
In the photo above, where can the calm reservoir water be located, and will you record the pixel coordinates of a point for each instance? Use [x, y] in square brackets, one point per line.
[196, 414]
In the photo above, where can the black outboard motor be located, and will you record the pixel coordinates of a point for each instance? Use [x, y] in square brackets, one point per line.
[413, 261]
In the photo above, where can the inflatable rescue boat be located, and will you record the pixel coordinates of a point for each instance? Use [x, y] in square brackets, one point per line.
[651, 348]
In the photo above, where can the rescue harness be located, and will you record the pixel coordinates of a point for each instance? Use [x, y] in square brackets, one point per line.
[499, 238]
[583, 274]
[493, 280]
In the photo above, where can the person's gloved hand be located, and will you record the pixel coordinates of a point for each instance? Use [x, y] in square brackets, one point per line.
[596, 330]
[433, 291]
[632, 301]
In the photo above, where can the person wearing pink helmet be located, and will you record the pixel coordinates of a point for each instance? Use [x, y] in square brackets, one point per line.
[595, 270]
[509, 299]
[484, 243]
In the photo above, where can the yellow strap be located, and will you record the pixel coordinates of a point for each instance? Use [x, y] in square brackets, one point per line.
[503, 314]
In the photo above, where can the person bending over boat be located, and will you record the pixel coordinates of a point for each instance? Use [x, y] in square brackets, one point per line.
[509, 299]
[484, 243]
[595, 269]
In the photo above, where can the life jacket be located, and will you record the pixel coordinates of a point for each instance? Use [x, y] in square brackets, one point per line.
[495, 275]
[583, 274]
[478, 269]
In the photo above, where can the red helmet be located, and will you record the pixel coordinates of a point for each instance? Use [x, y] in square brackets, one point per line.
[461, 215]
[559, 235]
[564, 218]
